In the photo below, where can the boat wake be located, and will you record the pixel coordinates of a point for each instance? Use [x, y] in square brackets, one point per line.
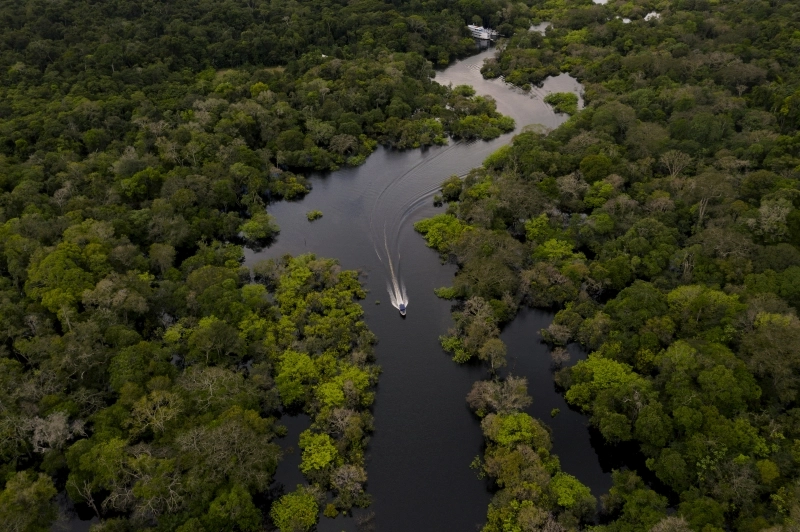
[397, 293]
[396, 210]
[395, 286]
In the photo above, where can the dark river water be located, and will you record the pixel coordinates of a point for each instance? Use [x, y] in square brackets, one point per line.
[425, 437]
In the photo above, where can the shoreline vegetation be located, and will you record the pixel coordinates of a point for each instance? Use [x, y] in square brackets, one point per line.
[140, 144]
[144, 366]
[662, 222]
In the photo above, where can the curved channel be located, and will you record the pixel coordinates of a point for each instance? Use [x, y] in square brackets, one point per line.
[425, 437]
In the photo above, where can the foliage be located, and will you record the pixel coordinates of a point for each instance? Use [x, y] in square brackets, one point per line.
[259, 228]
[532, 493]
[295, 511]
[661, 220]
[442, 231]
[140, 148]
[563, 102]
[26, 503]
[175, 427]
[319, 452]
[568, 491]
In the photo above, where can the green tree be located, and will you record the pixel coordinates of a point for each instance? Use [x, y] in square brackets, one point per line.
[295, 511]
[261, 227]
[569, 492]
[26, 503]
[319, 452]
[234, 511]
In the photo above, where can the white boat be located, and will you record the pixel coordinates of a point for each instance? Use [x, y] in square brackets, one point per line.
[484, 34]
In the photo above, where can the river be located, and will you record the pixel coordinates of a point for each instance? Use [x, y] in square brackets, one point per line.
[425, 437]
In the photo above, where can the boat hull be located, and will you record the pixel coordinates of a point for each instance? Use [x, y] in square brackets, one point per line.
[484, 34]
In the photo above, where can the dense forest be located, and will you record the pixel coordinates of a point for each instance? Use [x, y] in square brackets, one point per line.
[144, 367]
[662, 221]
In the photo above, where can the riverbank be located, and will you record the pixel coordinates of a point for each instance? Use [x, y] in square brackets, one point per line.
[425, 437]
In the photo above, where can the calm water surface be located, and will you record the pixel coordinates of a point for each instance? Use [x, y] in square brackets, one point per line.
[425, 437]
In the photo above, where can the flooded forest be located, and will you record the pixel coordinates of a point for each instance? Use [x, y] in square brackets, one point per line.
[323, 265]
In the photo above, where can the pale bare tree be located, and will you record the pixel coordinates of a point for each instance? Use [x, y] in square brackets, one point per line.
[675, 162]
[235, 450]
[169, 150]
[503, 397]
[571, 186]
[731, 164]
[672, 523]
[155, 411]
[212, 386]
[660, 201]
[348, 480]
[685, 259]
[493, 352]
[621, 205]
[343, 143]
[706, 187]
[557, 334]
[84, 490]
[340, 420]
[559, 356]
[53, 432]
[62, 195]
[771, 221]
